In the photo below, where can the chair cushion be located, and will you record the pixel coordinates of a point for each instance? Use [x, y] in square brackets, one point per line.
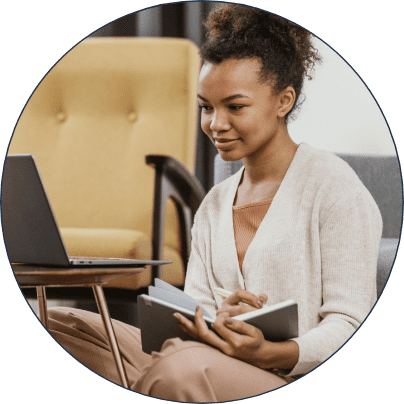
[119, 243]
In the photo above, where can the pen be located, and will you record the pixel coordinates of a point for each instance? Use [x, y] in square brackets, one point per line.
[225, 293]
[222, 292]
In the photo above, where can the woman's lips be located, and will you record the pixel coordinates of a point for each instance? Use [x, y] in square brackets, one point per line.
[223, 144]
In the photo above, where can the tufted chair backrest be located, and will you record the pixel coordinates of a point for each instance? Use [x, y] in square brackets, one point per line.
[95, 116]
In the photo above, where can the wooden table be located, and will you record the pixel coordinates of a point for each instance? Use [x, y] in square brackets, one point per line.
[29, 276]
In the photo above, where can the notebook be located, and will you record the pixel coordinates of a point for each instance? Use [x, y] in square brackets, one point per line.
[30, 230]
[278, 322]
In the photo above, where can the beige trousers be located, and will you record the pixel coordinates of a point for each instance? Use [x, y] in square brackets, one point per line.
[187, 371]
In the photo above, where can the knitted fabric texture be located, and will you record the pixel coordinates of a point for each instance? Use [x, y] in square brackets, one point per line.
[317, 244]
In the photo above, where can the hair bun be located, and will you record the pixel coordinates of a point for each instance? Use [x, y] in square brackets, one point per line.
[285, 49]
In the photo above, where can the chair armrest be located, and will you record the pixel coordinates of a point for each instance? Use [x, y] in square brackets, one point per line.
[189, 187]
[173, 181]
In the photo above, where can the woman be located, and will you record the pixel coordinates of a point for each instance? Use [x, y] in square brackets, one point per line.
[294, 223]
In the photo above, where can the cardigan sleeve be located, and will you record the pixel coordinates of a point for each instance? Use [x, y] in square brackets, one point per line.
[197, 281]
[350, 234]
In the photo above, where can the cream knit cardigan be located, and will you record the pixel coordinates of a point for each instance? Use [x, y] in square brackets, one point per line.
[317, 244]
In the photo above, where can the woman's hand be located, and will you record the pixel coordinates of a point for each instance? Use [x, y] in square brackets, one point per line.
[234, 338]
[251, 302]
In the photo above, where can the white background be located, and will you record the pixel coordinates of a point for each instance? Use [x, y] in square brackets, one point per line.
[339, 113]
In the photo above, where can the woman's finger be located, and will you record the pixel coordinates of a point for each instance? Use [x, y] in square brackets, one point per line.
[186, 325]
[263, 297]
[237, 340]
[240, 327]
[226, 327]
[186, 331]
[205, 333]
[244, 296]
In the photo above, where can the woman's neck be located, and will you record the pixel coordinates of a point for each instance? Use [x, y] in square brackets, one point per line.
[271, 164]
[263, 176]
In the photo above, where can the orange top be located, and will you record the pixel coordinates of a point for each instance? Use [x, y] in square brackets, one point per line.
[246, 220]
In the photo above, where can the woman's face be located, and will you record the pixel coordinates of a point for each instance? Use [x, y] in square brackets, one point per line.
[241, 115]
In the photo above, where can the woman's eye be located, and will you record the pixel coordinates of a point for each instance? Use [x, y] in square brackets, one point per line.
[236, 107]
[204, 107]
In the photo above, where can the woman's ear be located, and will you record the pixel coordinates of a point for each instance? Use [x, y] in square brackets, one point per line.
[287, 99]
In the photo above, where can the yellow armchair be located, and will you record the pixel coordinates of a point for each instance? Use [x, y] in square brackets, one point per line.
[90, 123]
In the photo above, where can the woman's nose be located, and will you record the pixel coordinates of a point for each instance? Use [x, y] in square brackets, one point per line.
[219, 122]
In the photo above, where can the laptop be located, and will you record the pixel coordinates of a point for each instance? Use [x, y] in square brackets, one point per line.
[30, 230]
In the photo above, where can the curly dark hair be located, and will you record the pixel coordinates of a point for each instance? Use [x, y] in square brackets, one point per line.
[285, 49]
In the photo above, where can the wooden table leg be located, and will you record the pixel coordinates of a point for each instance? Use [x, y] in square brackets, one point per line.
[43, 310]
[103, 309]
